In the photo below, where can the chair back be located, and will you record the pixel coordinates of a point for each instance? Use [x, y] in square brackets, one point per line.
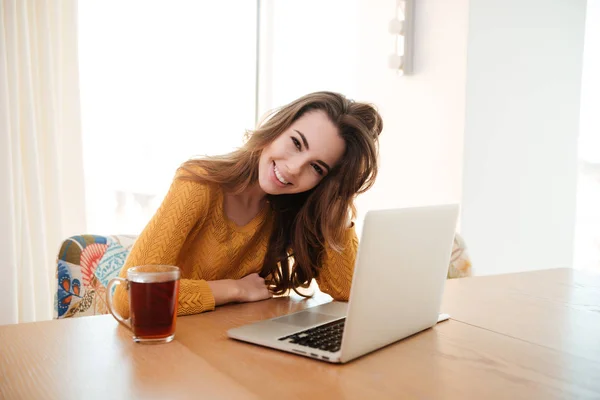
[84, 266]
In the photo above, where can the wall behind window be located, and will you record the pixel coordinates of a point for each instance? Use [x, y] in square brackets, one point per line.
[160, 83]
[423, 114]
[522, 123]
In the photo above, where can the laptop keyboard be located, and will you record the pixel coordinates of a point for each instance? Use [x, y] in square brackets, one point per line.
[327, 337]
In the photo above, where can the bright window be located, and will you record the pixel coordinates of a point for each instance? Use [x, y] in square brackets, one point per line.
[160, 83]
[587, 226]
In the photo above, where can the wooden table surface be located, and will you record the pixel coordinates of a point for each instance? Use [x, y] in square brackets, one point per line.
[533, 335]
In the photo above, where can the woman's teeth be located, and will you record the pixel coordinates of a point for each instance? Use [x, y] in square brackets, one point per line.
[279, 177]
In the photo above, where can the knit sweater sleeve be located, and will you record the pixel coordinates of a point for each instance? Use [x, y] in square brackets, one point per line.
[335, 277]
[162, 239]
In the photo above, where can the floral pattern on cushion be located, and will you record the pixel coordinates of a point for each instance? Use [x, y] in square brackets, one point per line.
[85, 265]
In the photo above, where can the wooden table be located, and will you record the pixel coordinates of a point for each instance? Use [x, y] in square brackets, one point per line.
[533, 335]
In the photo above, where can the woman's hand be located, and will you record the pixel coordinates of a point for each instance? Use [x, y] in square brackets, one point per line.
[250, 288]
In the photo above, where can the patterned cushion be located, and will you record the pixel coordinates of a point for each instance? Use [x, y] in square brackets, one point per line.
[85, 265]
[460, 263]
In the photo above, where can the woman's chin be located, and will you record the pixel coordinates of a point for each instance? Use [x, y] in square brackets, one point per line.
[273, 191]
[268, 188]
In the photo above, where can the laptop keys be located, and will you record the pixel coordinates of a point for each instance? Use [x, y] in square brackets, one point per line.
[327, 337]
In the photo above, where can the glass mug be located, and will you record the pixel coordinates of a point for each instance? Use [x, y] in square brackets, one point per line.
[153, 294]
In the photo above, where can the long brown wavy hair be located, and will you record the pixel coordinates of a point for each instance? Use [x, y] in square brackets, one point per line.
[304, 222]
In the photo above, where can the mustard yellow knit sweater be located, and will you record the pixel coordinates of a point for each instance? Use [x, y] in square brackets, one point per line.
[191, 230]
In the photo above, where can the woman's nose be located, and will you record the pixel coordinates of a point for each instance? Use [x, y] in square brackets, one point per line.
[294, 167]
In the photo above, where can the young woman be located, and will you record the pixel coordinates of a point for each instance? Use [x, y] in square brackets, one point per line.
[271, 216]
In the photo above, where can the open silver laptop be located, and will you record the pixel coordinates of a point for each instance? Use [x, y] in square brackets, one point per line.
[397, 289]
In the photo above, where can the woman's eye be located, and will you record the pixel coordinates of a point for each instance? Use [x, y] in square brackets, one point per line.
[296, 143]
[318, 169]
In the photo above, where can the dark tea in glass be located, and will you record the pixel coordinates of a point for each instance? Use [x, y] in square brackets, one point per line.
[153, 308]
[153, 293]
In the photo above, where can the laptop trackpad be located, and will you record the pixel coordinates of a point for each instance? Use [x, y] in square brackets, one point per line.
[305, 318]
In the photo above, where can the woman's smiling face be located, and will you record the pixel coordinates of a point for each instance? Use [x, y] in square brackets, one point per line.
[301, 156]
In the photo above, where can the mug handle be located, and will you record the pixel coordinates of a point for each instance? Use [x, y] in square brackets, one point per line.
[111, 308]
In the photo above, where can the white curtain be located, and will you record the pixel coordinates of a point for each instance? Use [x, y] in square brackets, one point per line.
[41, 178]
